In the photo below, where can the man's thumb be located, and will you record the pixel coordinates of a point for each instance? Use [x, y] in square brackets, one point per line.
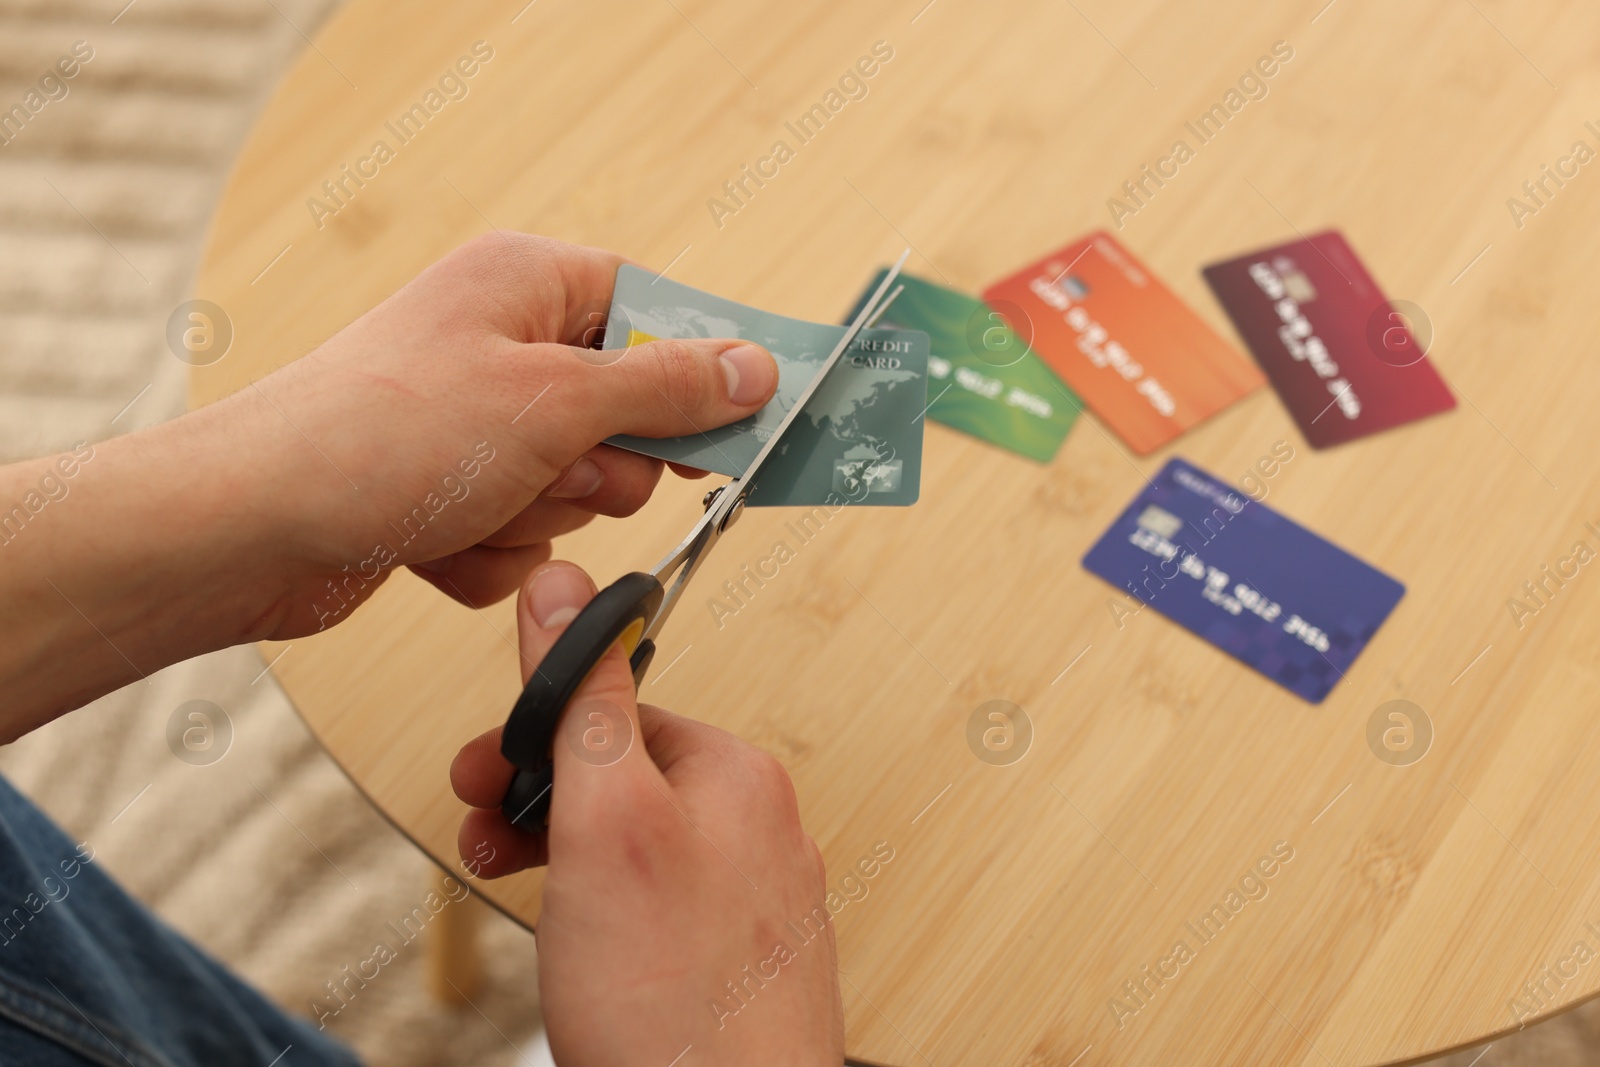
[678, 387]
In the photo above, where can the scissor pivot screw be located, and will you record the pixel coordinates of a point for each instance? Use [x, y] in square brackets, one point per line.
[734, 513]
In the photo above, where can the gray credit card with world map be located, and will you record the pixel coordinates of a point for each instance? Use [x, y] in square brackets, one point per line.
[859, 441]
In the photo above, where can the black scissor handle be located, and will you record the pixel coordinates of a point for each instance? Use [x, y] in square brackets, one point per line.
[619, 612]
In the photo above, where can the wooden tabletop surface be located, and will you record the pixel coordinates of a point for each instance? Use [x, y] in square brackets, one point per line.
[1411, 908]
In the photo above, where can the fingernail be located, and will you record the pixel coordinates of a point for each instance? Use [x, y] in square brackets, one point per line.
[558, 594]
[437, 566]
[751, 373]
[581, 480]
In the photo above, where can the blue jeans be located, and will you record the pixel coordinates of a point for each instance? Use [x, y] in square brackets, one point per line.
[88, 975]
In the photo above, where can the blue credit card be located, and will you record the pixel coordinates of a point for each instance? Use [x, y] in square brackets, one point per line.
[1263, 589]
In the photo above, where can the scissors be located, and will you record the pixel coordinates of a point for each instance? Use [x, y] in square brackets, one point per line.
[631, 611]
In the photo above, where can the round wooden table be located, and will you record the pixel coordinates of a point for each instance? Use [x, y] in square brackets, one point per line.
[1031, 911]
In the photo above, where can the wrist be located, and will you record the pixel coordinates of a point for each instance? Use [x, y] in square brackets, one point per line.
[228, 514]
[123, 557]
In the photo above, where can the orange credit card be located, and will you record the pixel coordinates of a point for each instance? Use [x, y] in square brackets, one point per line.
[1142, 361]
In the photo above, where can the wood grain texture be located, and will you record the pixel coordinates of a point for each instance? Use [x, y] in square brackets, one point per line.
[1419, 899]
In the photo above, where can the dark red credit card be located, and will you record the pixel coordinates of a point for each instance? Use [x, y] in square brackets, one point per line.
[1343, 359]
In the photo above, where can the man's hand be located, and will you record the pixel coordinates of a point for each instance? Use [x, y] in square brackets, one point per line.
[455, 428]
[684, 902]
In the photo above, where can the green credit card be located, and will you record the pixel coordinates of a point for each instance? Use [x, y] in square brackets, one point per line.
[859, 440]
[983, 379]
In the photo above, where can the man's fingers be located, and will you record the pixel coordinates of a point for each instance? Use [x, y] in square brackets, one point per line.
[653, 389]
[549, 601]
[535, 288]
[602, 769]
[551, 598]
[481, 575]
[603, 481]
[671, 739]
[608, 481]
[600, 723]
[539, 523]
[683, 471]
[479, 774]
[493, 847]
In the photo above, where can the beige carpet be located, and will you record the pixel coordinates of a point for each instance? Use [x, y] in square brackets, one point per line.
[267, 857]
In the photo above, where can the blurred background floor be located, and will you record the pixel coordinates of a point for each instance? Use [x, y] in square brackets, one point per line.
[267, 857]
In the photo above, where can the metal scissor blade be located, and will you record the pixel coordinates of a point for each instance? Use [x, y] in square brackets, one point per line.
[679, 565]
[878, 314]
[741, 487]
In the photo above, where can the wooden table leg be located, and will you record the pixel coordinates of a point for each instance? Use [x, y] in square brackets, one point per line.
[455, 962]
